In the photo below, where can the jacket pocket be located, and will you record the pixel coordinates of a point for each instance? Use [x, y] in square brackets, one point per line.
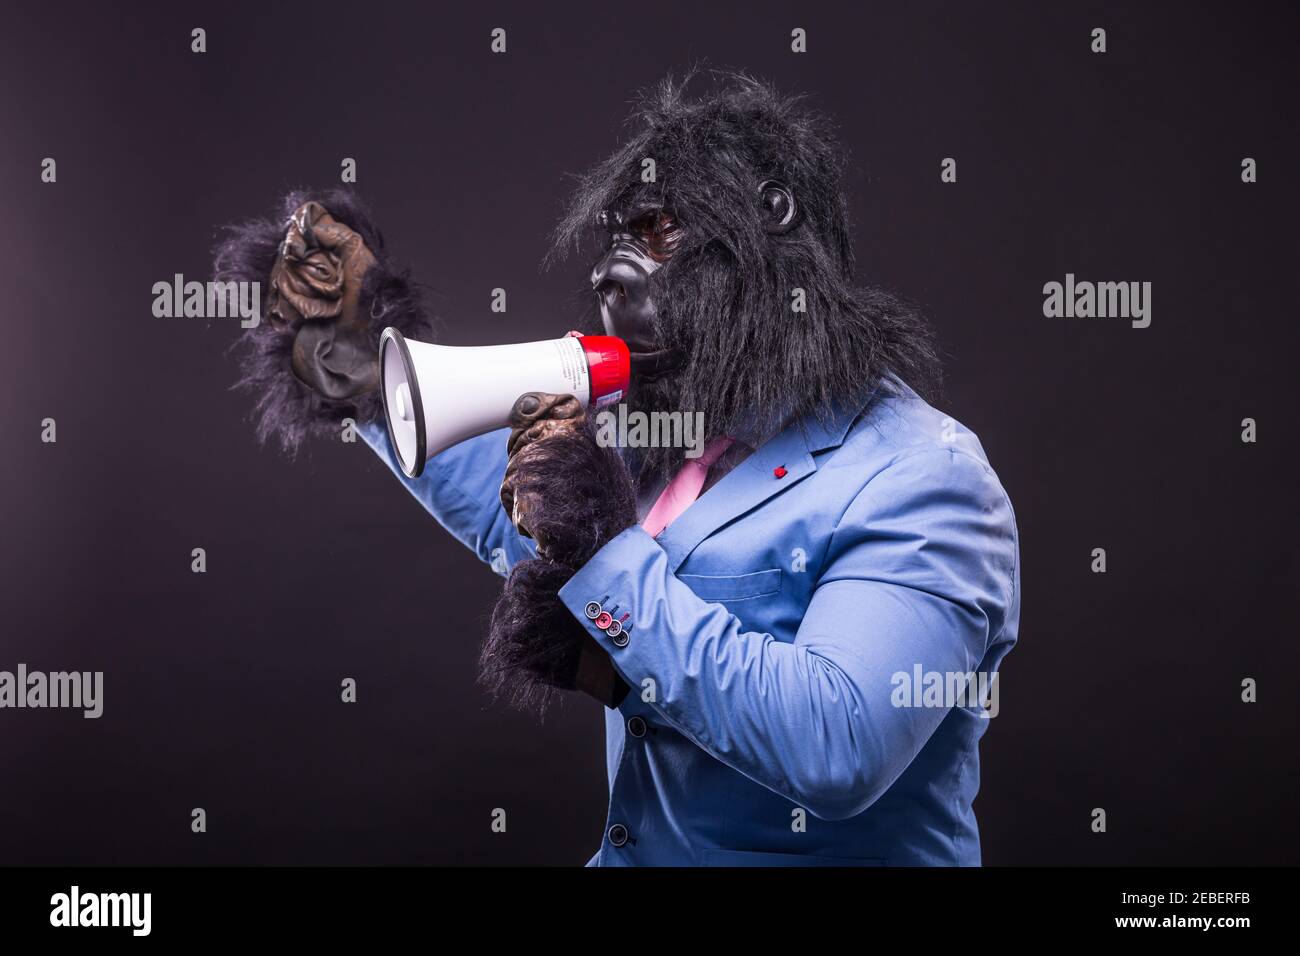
[733, 587]
[746, 858]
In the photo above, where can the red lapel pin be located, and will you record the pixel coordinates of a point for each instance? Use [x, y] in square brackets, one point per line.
[779, 471]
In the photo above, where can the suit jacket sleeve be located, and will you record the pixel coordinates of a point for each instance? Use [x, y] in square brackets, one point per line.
[919, 570]
[461, 488]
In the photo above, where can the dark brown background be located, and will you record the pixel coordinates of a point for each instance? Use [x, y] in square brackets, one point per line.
[222, 690]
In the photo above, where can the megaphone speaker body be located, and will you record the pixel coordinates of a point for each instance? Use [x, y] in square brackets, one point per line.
[436, 396]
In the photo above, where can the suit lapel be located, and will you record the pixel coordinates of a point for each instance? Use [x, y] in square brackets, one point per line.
[753, 481]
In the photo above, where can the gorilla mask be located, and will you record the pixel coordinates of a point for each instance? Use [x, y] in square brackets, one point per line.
[731, 274]
[639, 242]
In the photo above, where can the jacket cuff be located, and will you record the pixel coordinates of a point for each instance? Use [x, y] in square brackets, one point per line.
[602, 596]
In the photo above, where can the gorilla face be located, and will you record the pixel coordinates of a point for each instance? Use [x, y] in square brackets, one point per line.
[730, 272]
[638, 244]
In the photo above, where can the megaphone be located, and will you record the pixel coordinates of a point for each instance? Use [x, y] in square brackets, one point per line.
[436, 396]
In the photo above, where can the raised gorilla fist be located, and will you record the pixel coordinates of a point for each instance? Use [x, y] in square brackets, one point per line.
[571, 495]
[315, 294]
[332, 291]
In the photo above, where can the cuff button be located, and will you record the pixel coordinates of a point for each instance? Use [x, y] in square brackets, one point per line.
[592, 610]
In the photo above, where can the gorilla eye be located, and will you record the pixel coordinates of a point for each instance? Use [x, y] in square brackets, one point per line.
[659, 232]
[779, 203]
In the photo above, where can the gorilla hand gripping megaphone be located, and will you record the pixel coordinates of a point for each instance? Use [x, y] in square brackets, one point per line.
[438, 395]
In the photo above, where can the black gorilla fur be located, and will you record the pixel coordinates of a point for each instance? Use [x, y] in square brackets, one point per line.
[724, 298]
[580, 496]
[287, 408]
[533, 642]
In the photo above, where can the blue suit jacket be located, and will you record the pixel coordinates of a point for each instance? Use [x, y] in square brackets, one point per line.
[768, 722]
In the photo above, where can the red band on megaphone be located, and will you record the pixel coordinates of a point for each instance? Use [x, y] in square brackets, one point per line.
[610, 367]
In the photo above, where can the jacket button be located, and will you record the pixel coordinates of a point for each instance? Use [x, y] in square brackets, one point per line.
[617, 835]
[636, 727]
[620, 639]
[592, 610]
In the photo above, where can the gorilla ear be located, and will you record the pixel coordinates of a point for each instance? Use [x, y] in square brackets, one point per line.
[779, 205]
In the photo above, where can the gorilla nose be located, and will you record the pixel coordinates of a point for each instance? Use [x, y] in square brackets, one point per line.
[616, 278]
[611, 294]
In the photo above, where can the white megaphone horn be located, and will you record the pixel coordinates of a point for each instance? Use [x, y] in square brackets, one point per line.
[436, 395]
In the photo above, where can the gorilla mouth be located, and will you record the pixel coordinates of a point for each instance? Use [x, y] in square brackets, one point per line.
[651, 363]
[642, 354]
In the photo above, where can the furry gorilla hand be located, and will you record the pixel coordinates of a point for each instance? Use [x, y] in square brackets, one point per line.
[331, 292]
[572, 496]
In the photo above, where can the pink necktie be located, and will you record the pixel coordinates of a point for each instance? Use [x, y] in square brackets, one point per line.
[684, 488]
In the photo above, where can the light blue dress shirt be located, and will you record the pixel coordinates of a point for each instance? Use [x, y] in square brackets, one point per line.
[778, 634]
